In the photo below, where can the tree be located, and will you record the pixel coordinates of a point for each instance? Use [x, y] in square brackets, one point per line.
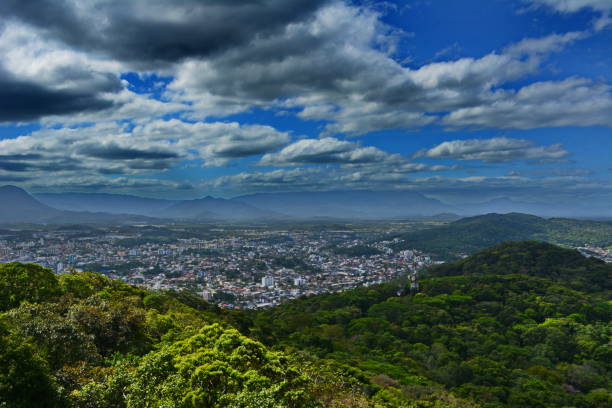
[19, 282]
[25, 381]
[216, 367]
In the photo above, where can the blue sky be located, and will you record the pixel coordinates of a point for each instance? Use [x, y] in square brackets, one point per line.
[465, 101]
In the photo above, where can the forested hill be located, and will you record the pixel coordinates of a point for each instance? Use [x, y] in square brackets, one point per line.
[469, 235]
[81, 340]
[511, 334]
[515, 335]
[537, 259]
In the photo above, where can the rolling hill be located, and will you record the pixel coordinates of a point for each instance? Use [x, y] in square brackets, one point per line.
[469, 235]
[507, 327]
[538, 259]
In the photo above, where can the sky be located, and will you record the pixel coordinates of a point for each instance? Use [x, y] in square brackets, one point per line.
[462, 100]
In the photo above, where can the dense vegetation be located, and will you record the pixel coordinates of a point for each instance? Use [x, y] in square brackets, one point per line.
[538, 259]
[505, 329]
[518, 325]
[469, 235]
[82, 340]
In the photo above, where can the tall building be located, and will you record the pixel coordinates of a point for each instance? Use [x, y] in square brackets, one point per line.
[208, 295]
[267, 281]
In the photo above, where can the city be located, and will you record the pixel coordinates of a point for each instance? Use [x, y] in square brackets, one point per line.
[233, 268]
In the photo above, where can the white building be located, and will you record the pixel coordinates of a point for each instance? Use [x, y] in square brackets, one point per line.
[267, 281]
[208, 295]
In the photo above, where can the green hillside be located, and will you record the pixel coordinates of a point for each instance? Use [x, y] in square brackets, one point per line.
[519, 325]
[82, 340]
[469, 235]
[506, 330]
[537, 259]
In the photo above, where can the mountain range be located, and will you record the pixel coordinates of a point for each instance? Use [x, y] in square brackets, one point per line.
[17, 206]
[262, 207]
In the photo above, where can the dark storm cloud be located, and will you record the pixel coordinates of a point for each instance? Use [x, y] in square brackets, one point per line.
[155, 31]
[22, 100]
[116, 152]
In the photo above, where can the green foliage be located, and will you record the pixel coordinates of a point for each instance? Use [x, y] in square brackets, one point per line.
[32, 283]
[216, 367]
[292, 262]
[535, 259]
[469, 235]
[505, 327]
[82, 340]
[518, 325]
[58, 338]
[25, 380]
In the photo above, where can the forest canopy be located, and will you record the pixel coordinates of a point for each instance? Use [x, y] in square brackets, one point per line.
[521, 324]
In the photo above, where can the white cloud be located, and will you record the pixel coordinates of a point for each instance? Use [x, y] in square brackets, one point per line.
[556, 188]
[331, 60]
[572, 6]
[327, 151]
[495, 150]
[327, 66]
[545, 45]
[571, 102]
[217, 142]
[111, 149]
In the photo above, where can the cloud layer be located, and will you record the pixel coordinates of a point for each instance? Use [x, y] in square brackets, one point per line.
[495, 150]
[218, 70]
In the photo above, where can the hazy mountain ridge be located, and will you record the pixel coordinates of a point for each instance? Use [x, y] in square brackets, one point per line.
[505, 205]
[17, 206]
[215, 209]
[271, 206]
[109, 203]
[347, 204]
